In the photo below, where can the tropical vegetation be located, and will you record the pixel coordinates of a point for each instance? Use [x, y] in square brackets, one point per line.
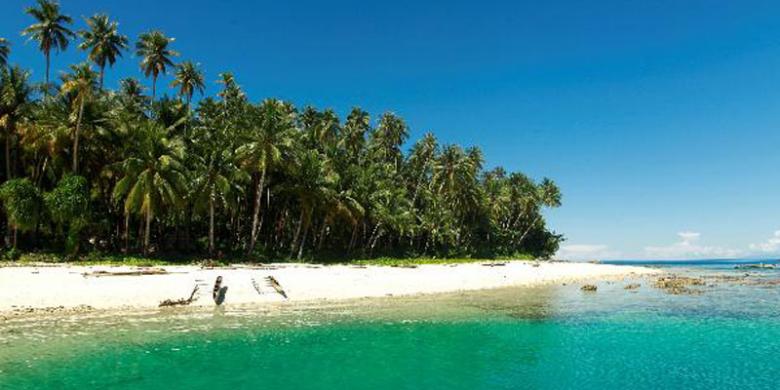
[119, 171]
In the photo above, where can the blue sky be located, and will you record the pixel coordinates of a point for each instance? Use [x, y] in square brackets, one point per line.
[659, 119]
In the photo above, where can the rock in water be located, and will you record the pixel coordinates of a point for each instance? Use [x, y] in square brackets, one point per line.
[677, 285]
[589, 288]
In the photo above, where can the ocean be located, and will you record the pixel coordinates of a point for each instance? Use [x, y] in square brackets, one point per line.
[724, 336]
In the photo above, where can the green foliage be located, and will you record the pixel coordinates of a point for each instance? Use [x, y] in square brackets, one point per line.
[68, 205]
[69, 200]
[227, 178]
[12, 254]
[23, 203]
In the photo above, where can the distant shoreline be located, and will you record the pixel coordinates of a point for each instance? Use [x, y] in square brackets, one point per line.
[120, 287]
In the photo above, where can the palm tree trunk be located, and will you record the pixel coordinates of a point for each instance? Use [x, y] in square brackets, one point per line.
[354, 238]
[373, 239]
[306, 228]
[7, 233]
[211, 223]
[373, 244]
[146, 232]
[48, 62]
[528, 229]
[297, 233]
[303, 241]
[43, 170]
[256, 213]
[76, 138]
[323, 231]
[8, 155]
[154, 86]
[102, 73]
[127, 232]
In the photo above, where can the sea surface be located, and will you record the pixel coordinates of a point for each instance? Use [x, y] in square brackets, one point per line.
[724, 336]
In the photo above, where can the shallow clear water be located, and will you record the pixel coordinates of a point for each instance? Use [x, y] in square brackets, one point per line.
[554, 337]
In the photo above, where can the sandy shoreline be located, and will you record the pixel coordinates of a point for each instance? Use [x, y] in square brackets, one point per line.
[67, 286]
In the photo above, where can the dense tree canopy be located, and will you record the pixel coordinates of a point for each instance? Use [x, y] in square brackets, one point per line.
[90, 168]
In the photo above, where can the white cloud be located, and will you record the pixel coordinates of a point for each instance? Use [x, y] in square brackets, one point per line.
[771, 245]
[689, 236]
[689, 248]
[689, 245]
[585, 252]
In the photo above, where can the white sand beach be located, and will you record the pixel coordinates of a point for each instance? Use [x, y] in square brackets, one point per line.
[72, 286]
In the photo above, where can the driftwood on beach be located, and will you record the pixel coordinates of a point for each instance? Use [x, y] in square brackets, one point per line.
[276, 285]
[141, 272]
[180, 302]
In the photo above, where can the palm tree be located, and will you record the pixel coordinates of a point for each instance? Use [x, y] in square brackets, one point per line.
[153, 176]
[387, 138]
[420, 163]
[549, 195]
[82, 83]
[321, 129]
[103, 42]
[15, 96]
[5, 50]
[152, 47]
[189, 79]
[268, 143]
[131, 96]
[50, 29]
[215, 180]
[314, 182]
[353, 136]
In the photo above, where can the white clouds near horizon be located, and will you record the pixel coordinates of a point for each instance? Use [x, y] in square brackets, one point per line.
[770, 245]
[689, 247]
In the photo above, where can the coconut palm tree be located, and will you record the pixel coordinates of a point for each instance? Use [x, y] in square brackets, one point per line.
[266, 146]
[419, 165]
[313, 186]
[548, 195]
[15, 97]
[321, 129]
[5, 50]
[216, 178]
[103, 42]
[131, 96]
[82, 83]
[153, 176]
[155, 55]
[49, 30]
[353, 136]
[189, 79]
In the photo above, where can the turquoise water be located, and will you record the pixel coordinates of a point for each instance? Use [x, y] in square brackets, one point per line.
[555, 337]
